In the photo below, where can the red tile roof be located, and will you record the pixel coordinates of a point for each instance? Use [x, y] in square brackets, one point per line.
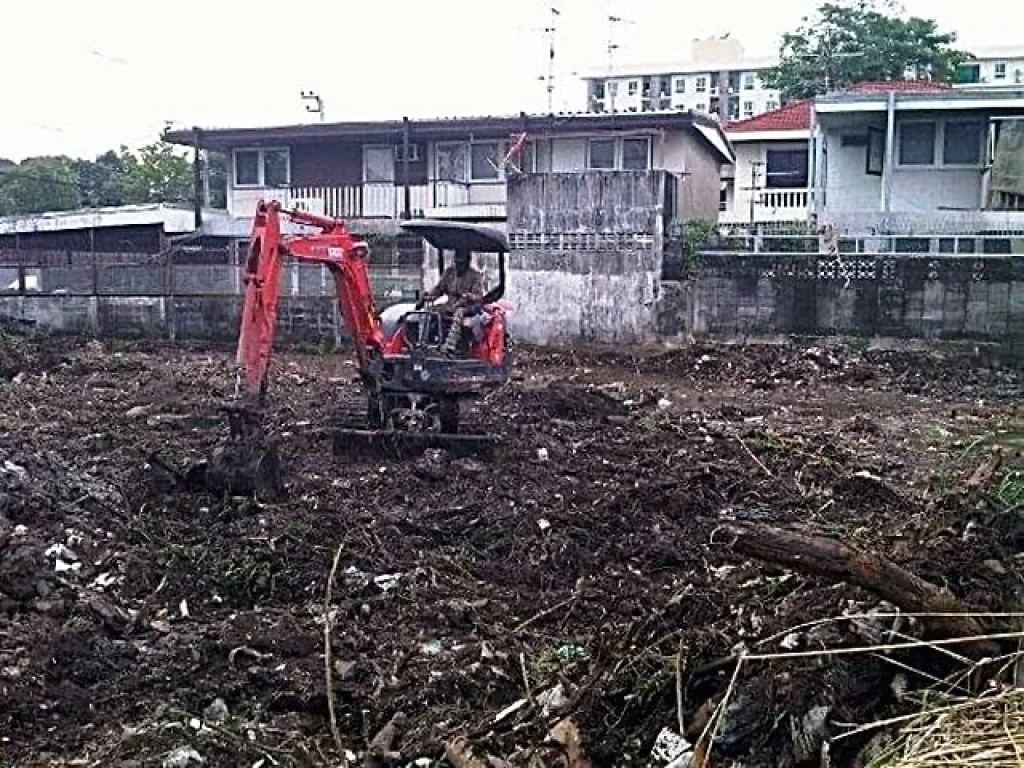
[796, 116]
[792, 117]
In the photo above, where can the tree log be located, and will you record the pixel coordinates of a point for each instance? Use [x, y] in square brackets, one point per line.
[820, 556]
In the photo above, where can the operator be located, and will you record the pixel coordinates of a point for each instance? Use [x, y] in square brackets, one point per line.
[463, 288]
[460, 283]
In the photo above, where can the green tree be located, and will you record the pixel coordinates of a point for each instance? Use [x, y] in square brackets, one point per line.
[854, 41]
[157, 173]
[39, 184]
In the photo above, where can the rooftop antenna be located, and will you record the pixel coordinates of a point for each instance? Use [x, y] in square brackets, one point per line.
[612, 47]
[314, 97]
[551, 29]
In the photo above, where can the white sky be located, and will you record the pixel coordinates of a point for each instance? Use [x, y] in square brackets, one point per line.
[82, 77]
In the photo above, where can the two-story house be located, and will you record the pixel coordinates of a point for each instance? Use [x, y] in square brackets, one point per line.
[379, 172]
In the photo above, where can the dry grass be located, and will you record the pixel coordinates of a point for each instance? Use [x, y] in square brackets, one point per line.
[950, 728]
[986, 730]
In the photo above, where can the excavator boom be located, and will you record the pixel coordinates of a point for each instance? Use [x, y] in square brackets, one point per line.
[333, 247]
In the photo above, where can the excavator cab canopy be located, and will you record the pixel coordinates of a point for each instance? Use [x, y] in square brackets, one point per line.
[460, 236]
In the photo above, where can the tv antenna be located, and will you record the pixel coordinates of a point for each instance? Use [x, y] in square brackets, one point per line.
[551, 29]
[314, 97]
[612, 48]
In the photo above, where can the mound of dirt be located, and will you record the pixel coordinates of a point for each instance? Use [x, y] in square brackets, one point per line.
[578, 584]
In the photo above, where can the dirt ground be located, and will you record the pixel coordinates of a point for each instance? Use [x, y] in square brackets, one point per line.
[578, 577]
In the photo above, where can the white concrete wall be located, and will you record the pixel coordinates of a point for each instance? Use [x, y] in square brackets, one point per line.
[849, 188]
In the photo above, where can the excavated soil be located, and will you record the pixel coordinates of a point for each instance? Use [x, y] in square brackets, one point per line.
[581, 575]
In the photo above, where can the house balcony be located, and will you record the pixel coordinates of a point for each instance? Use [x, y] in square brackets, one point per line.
[380, 201]
[770, 206]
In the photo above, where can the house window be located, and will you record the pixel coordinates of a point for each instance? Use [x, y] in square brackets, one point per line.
[247, 168]
[917, 144]
[702, 84]
[961, 143]
[680, 85]
[701, 107]
[599, 90]
[786, 169]
[613, 89]
[379, 165]
[749, 81]
[636, 154]
[748, 109]
[1001, 71]
[483, 161]
[601, 154]
[262, 168]
[450, 162]
[633, 86]
[771, 105]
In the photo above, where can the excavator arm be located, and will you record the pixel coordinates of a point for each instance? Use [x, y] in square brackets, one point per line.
[335, 248]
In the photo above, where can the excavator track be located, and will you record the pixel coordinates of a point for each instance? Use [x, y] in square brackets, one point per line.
[354, 439]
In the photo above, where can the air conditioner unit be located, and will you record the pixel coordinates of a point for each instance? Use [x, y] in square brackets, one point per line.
[414, 152]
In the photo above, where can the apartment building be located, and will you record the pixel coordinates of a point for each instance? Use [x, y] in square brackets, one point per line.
[719, 79]
[992, 67]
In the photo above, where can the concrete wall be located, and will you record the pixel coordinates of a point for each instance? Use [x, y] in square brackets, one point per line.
[849, 188]
[699, 172]
[585, 259]
[943, 298]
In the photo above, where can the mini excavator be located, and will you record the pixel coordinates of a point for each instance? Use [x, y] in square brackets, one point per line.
[413, 379]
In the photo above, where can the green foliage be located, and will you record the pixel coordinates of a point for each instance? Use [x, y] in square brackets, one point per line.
[156, 173]
[854, 41]
[696, 233]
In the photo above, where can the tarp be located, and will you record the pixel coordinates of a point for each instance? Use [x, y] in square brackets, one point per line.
[1008, 165]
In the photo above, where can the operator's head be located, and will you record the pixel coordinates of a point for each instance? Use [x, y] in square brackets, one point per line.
[462, 261]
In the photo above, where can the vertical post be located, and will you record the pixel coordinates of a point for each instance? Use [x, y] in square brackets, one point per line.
[407, 207]
[197, 179]
[812, 165]
[890, 146]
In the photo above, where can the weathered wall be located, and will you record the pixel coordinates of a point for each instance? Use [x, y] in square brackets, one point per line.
[700, 176]
[178, 301]
[942, 298]
[585, 259]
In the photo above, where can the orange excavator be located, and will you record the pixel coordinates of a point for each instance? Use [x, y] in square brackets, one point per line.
[413, 379]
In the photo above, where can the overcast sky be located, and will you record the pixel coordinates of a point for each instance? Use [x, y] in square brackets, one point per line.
[81, 77]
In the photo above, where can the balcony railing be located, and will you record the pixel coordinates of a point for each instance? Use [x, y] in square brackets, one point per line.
[782, 199]
[357, 201]
[770, 205]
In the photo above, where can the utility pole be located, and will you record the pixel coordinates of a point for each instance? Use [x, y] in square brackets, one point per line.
[314, 97]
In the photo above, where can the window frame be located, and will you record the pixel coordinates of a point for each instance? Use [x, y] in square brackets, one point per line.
[678, 85]
[749, 81]
[648, 162]
[588, 162]
[464, 149]
[982, 140]
[936, 142]
[632, 87]
[772, 184]
[261, 167]
[938, 161]
[701, 85]
[499, 153]
[1000, 66]
[390, 150]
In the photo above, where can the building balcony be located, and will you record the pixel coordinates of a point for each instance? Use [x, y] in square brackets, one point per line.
[770, 206]
[436, 199]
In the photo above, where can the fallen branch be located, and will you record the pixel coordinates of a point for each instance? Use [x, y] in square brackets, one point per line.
[335, 734]
[820, 556]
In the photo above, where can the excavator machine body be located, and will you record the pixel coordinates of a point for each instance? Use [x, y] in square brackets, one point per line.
[414, 385]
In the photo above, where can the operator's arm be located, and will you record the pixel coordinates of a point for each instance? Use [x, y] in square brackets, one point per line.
[475, 289]
[443, 286]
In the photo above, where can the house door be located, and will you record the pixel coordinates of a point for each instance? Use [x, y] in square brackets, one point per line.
[379, 196]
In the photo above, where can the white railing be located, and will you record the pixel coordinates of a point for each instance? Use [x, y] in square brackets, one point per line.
[782, 198]
[356, 201]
